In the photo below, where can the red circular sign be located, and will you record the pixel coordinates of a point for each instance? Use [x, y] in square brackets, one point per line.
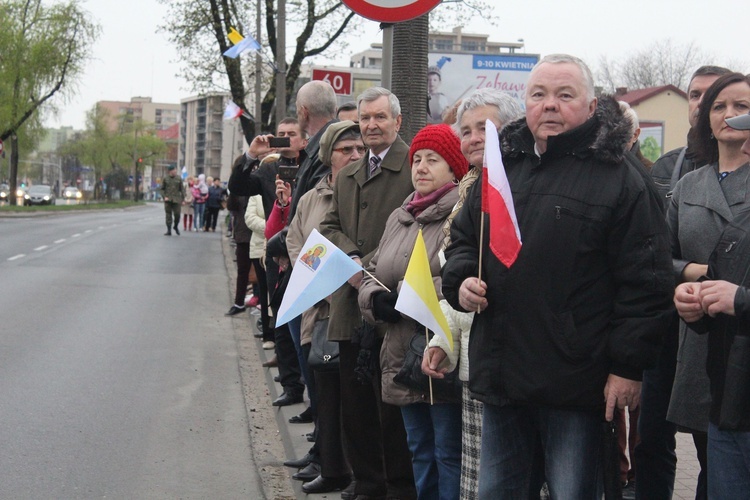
[391, 11]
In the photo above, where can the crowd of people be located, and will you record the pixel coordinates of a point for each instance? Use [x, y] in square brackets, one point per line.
[570, 370]
[199, 202]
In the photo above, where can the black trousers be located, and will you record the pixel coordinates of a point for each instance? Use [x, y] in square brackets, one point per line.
[242, 252]
[329, 443]
[374, 435]
[260, 273]
[212, 217]
[290, 375]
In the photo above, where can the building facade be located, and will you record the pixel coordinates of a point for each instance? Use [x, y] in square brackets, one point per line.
[208, 144]
[161, 115]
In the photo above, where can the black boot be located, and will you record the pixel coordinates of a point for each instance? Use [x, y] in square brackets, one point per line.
[169, 231]
[177, 229]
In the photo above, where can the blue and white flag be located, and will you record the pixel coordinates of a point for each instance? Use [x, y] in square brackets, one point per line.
[320, 270]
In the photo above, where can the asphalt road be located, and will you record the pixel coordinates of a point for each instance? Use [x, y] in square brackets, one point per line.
[119, 373]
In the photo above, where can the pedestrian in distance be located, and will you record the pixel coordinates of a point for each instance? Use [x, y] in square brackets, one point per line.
[172, 192]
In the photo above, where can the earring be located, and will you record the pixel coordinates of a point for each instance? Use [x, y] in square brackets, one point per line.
[455, 181]
[712, 136]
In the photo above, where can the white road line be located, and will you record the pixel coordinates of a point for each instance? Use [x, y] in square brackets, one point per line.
[19, 256]
[39, 249]
[59, 241]
[88, 230]
[76, 235]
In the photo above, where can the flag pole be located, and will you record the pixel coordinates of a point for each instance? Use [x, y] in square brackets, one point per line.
[481, 227]
[375, 279]
[427, 343]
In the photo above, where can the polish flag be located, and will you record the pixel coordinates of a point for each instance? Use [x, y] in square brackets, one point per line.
[497, 201]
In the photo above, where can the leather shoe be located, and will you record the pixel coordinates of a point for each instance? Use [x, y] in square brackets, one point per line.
[287, 399]
[348, 492]
[277, 378]
[271, 363]
[303, 418]
[310, 437]
[300, 462]
[309, 473]
[326, 484]
[235, 310]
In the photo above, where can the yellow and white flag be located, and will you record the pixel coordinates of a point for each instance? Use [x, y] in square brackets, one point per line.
[418, 298]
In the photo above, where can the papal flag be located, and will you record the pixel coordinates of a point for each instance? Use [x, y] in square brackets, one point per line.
[320, 270]
[240, 44]
[418, 298]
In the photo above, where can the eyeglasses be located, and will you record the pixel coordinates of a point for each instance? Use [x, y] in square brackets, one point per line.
[347, 151]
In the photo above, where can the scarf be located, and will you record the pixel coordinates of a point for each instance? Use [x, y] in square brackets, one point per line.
[420, 203]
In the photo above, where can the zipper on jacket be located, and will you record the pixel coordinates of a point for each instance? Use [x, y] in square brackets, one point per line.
[559, 210]
[729, 247]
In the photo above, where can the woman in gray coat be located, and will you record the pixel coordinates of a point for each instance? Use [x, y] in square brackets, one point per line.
[433, 431]
[703, 203]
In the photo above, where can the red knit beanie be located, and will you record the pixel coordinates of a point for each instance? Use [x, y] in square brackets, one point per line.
[444, 141]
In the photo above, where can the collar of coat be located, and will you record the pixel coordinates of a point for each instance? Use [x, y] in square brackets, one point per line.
[603, 137]
[435, 212]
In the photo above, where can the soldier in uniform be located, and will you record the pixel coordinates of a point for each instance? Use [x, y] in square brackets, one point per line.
[173, 192]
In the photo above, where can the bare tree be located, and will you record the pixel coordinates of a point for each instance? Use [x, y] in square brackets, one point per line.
[661, 63]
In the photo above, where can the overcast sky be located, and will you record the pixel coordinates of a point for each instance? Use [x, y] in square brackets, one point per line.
[133, 59]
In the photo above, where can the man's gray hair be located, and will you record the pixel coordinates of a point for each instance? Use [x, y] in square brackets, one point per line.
[508, 109]
[374, 93]
[319, 98]
[566, 58]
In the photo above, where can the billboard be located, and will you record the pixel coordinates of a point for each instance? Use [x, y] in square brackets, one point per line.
[451, 77]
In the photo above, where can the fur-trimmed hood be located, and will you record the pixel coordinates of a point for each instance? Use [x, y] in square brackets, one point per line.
[603, 137]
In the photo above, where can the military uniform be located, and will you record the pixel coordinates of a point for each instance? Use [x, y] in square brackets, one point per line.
[173, 192]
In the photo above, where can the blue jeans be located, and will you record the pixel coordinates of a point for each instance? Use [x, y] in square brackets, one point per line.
[655, 454]
[570, 444]
[728, 464]
[434, 436]
[200, 215]
[295, 327]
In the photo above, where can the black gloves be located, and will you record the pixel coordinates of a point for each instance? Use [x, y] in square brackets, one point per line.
[384, 307]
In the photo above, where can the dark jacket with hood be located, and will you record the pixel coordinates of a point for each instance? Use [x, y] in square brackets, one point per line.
[590, 292]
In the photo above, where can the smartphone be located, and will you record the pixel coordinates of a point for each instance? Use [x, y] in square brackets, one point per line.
[279, 142]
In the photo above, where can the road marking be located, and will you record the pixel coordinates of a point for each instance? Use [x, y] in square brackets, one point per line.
[76, 235]
[88, 230]
[39, 249]
[59, 241]
[19, 256]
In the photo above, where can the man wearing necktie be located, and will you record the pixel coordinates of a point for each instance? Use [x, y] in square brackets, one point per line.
[366, 193]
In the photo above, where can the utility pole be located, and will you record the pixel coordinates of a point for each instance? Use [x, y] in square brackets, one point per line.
[258, 72]
[281, 62]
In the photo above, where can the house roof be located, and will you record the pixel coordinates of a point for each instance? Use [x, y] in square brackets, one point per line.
[635, 97]
[169, 133]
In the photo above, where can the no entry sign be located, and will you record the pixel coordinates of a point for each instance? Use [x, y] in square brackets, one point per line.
[391, 11]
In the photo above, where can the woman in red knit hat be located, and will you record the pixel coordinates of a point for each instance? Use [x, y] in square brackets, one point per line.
[433, 431]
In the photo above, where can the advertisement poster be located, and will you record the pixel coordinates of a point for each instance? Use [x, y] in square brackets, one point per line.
[451, 77]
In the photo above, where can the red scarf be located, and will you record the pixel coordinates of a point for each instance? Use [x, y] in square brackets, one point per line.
[419, 203]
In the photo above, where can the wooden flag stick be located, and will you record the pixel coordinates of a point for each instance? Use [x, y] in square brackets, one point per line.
[481, 247]
[376, 280]
[427, 344]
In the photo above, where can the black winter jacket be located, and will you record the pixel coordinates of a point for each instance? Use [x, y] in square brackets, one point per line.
[729, 336]
[249, 179]
[590, 292]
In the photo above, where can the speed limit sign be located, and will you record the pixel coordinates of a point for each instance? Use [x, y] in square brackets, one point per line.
[341, 81]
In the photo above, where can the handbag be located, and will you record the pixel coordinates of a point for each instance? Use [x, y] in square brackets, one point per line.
[324, 354]
[252, 276]
[447, 389]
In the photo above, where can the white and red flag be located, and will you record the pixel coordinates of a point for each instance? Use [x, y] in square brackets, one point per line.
[497, 201]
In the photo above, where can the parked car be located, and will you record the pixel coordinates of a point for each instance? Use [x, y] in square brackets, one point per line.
[72, 193]
[4, 192]
[39, 195]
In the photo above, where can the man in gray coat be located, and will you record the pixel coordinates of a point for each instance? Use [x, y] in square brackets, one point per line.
[366, 193]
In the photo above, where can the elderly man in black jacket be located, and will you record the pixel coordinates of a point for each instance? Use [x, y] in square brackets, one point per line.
[564, 333]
